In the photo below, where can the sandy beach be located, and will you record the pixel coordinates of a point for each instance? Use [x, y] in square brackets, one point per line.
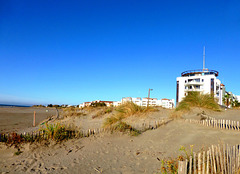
[118, 153]
[18, 119]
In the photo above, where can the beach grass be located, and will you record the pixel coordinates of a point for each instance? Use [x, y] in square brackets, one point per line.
[196, 99]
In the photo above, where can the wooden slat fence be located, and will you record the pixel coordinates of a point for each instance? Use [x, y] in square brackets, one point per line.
[223, 159]
[86, 133]
[218, 124]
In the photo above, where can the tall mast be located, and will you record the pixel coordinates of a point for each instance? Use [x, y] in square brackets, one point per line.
[203, 58]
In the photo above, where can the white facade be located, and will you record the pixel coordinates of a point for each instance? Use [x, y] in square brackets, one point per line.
[205, 82]
[84, 104]
[166, 103]
[117, 103]
[238, 98]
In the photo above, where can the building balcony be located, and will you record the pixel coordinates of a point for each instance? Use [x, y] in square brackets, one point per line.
[190, 90]
[193, 83]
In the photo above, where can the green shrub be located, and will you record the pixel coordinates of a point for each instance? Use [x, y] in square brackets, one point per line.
[55, 132]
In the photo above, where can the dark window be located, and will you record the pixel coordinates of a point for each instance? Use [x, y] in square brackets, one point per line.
[212, 86]
[177, 91]
[197, 80]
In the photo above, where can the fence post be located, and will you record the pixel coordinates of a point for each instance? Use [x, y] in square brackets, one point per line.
[34, 118]
[182, 167]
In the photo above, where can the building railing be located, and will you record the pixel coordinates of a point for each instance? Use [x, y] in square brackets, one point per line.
[200, 71]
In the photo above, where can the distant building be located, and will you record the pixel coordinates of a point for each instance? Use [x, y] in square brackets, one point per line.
[204, 81]
[85, 104]
[166, 103]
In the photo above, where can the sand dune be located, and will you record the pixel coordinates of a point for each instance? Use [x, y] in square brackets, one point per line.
[117, 152]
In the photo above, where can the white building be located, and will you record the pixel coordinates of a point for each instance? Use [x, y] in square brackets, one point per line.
[166, 103]
[85, 104]
[204, 81]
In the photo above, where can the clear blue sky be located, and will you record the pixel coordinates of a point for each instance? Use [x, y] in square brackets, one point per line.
[68, 52]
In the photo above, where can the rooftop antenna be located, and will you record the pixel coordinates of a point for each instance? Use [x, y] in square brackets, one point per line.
[203, 58]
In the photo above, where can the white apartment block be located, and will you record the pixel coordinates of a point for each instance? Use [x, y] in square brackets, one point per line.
[166, 103]
[204, 81]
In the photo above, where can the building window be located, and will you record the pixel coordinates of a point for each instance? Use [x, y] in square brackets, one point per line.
[197, 80]
[202, 80]
[177, 91]
[212, 86]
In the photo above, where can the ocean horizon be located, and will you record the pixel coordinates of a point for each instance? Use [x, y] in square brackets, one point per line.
[12, 105]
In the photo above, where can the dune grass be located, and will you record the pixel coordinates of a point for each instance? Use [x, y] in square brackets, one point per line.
[103, 111]
[68, 112]
[129, 108]
[196, 99]
[126, 110]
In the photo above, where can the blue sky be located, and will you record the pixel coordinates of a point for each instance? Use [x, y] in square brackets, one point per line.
[68, 52]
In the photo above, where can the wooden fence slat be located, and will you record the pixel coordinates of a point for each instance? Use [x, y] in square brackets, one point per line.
[182, 167]
[199, 163]
[221, 159]
[214, 162]
[211, 160]
[190, 165]
[195, 163]
[217, 160]
[203, 162]
[207, 170]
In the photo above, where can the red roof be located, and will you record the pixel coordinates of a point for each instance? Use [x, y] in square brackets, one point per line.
[165, 99]
[106, 101]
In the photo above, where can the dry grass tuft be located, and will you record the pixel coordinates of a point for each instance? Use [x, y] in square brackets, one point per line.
[103, 111]
[129, 108]
[195, 99]
[69, 112]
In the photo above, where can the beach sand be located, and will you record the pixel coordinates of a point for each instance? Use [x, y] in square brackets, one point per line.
[117, 152]
[18, 119]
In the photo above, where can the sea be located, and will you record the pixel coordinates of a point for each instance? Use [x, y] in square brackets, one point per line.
[11, 106]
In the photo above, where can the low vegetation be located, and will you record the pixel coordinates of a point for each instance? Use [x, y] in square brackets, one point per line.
[129, 108]
[103, 111]
[126, 110]
[68, 112]
[55, 132]
[195, 99]
[51, 132]
[171, 165]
